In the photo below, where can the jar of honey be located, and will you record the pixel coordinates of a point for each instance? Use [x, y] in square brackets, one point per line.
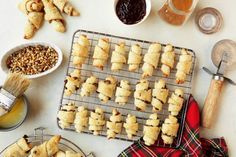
[177, 12]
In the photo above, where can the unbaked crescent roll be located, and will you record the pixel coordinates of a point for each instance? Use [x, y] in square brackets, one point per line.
[66, 7]
[167, 60]
[151, 59]
[159, 95]
[67, 154]
[131, 126]
[89, 86]
[81, 119]
[66, 115]
[101, 53]
[114, 125]
[18, 149]
[142, 95]
[135, 57]
[169, 129]
[72, 82]
[106, 89]
[184, 66]
[80, 50]
[118, 58]
[151, 130]
[97, 121]
[123, 92]
[176, 102]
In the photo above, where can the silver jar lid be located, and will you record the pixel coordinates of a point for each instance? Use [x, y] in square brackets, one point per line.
[209, 20]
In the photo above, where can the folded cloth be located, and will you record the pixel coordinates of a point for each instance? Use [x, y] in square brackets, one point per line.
[191, 144]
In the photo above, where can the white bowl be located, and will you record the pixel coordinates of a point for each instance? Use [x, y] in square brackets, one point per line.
[148, 10]
[9, 52]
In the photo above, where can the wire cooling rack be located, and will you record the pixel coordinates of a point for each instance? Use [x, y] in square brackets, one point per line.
[39, 136]
[133, 77]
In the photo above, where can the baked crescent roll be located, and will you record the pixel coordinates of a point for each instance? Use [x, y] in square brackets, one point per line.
[131, 126]
[151, 130]
[176, 102]
[184, 66]
[114, 125]
[66, 115]
[151, 59]
[135, 57]
[81, 119]
[72, 82]
[97, 121]
[67, 154]
[106, 89]
[167, 60]
[123, 92]
[66, 7]
[89, 86]
[80, 50]
[159, 95]
[169, 129]
[18, 149]
[118, 58]
[101, 53]
[47, 149]
[53, 16]
[142, 95]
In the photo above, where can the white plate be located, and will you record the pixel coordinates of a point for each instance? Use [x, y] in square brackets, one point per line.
[9, 52]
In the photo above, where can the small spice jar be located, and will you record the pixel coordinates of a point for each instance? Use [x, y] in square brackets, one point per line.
[177, 12]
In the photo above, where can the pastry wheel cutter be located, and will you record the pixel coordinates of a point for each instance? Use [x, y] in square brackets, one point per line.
[224, 57]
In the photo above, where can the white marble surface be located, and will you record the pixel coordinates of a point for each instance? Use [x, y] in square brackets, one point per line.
[98, 15]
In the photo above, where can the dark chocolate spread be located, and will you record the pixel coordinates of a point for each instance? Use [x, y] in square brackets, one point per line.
[131, 11]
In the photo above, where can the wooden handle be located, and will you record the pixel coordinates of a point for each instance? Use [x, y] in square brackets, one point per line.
[210, 104]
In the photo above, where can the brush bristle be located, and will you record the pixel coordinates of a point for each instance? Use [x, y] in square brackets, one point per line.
[16, 84]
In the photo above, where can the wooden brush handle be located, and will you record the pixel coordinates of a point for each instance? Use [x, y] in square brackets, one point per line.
[210, 104]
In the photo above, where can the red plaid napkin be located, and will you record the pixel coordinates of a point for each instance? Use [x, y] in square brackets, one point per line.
[191, 145]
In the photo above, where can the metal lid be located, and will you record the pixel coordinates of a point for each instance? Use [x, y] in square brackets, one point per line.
[209, 20]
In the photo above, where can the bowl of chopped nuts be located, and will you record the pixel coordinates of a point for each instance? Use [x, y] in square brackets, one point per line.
[34, 59]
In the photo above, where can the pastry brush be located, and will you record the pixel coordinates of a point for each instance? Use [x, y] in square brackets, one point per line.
[14, 86]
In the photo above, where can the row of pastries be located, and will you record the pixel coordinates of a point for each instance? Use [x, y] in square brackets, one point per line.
[143, 94]
[119, 57]
[95, 121]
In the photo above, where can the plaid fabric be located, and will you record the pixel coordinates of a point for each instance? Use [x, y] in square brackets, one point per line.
[191, 145]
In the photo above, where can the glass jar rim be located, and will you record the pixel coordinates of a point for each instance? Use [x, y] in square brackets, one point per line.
[180, 12]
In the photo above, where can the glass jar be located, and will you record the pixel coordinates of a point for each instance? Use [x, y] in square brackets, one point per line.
[177, 12]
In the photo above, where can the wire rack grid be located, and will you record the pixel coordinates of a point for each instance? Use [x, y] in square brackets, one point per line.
[133, 77]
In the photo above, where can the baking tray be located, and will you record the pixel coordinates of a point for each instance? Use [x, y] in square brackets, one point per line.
[93, 101]
[39, 136]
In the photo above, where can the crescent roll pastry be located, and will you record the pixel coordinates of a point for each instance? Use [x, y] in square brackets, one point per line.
[80, 50]
[35, 14]
[123, 92]
[118, 58]
[47, 149]
[66, 115]
[72, 82]
[96, 121]
[159, 95]
[114, 125]
[106, 89]
[151, 59]
[67, 154]
[53, 16]
[135, 57]
[167, 60]
[142, 95]
[81, 119]
[131, 126]
[18, 149]
[66, 7]
[176, 102]
[89, 86]
[184, 66]
[169, 129]
[151, 130]
[101, 53]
